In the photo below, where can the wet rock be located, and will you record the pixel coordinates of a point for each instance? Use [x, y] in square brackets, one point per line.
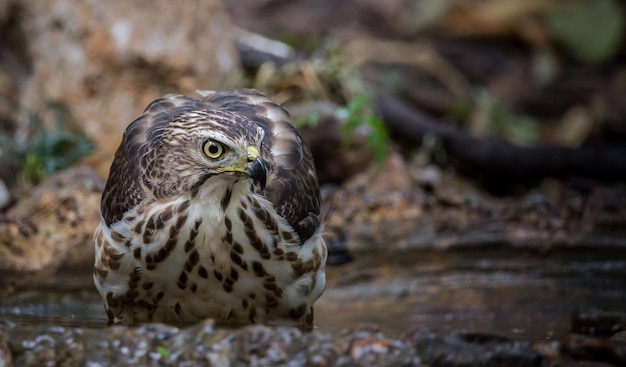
[105, 61]
[368, 347]
[620, 336]
[472, 349]
[595, 349]
[205, 344]
[56, 345]
[51, 228]
[550, 350]
[266, 346]
[594, 321]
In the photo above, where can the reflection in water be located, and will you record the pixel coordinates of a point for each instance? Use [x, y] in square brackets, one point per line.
[520, 295]
[76, 308]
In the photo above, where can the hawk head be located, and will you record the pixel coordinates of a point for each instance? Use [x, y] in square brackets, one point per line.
[182, 154]
[181, 144]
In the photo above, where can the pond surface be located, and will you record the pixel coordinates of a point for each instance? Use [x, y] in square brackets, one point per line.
[514, 293]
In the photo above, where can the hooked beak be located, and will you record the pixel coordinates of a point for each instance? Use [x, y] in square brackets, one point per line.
[256, 168]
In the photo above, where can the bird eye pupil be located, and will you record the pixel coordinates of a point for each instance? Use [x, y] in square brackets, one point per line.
[213, 149]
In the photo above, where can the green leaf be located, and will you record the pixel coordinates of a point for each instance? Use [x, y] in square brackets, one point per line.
[54, 151]
[592, 30]
[310, 119]
[164, 352]
[358, 113]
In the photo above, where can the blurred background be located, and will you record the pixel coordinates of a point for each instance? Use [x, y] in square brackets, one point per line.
[471, 152]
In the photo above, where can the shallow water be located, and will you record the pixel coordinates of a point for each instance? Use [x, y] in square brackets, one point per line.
[54, 307]
[519, 294]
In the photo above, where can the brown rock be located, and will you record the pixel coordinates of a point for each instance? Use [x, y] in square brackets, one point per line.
[589, 348]
[619, 336]
[106, 60]
[596, 321]
[51, 228]
[393, 175]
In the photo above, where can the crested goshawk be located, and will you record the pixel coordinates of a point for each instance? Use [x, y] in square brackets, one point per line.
[211, 210]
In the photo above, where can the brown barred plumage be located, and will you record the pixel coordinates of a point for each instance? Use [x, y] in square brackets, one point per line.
[211, 210]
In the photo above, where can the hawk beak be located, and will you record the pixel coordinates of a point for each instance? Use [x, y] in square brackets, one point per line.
[256, 168]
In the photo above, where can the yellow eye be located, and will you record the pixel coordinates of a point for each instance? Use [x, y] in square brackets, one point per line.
[213, 149]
